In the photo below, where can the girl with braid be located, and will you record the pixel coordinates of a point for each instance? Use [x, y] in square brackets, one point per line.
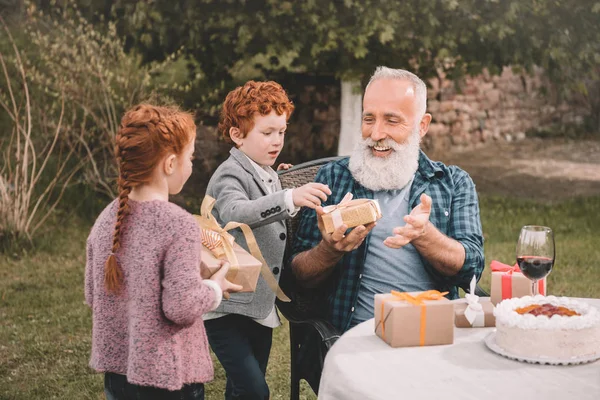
[142, 278]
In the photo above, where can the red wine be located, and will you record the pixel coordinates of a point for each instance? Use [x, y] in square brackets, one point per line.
[535, 268]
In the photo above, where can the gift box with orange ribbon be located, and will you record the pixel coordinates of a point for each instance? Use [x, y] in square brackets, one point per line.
[414, 318]
[351, 213]
[219, 245]
[509, 282]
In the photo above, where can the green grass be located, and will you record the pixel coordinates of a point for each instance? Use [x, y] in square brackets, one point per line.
[45, 326]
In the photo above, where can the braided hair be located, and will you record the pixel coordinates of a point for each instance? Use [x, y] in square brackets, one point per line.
[146, 135]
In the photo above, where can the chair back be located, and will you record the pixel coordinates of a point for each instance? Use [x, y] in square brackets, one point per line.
[304, 301]
[297, 176]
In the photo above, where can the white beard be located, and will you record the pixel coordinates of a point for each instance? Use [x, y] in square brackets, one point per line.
[387, 173]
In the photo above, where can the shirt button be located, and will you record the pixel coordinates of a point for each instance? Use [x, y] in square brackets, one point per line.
[275, 270]
[360, 276]
[282, 236]
[352, 309]
[446, 213]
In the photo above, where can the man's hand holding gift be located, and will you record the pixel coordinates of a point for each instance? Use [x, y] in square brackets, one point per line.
[339, 241]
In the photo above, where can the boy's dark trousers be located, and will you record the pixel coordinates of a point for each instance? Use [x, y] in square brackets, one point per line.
[242, 346]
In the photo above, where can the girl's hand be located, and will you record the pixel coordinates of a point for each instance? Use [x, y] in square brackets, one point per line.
[226, 286]
[310, 195]
[284, 166]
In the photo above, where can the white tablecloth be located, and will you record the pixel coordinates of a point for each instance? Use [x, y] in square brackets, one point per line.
[361, 366]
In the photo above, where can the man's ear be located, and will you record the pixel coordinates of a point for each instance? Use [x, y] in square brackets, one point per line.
[169, 164]
[236, 135]
[424, 124]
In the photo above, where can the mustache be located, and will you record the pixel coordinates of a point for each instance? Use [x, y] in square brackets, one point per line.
[368, 142]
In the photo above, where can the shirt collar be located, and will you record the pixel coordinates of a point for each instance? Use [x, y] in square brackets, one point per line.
[266, 174]
[428, 168]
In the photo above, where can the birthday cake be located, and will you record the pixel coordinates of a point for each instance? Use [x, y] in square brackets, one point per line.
[547, 327]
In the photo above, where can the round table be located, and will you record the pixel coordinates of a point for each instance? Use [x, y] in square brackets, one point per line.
[361, 366]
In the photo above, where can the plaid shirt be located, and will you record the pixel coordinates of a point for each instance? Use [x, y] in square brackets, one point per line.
[455, 212]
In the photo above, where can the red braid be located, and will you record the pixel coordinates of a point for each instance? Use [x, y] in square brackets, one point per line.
[147, 133]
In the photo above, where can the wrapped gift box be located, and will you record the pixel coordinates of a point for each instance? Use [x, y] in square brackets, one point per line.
[245, 273]
[219, 245]
[420, 321]
[509, 282]
[484, 318]
[351, 213]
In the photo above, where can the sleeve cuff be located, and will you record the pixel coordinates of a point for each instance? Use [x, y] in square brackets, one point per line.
[218, 293]
[289, 203]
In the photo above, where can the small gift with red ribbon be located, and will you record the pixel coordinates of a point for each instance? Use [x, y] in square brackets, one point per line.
[351, 213]
[509, 282]
[404, 319]
[473, 311]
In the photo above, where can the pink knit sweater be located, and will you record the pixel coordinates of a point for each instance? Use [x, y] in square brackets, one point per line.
[152, 331]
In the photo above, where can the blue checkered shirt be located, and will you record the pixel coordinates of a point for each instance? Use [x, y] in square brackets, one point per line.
[455, 212]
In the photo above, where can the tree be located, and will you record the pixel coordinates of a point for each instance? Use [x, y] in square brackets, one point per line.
[229, 41]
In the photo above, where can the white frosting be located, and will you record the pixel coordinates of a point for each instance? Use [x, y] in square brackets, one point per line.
[506, 315]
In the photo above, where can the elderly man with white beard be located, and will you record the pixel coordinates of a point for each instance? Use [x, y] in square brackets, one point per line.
[430, 234]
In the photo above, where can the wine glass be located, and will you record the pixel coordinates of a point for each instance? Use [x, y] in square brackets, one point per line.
[535, 253]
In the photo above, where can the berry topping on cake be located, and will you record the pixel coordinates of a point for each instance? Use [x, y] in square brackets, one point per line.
[546, 309]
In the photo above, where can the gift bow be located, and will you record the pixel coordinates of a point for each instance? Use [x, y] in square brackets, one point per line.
[497, 266]
[418, 300]
[207, 221]
[474, 308]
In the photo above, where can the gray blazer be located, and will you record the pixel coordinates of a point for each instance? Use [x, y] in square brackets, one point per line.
[242, 197]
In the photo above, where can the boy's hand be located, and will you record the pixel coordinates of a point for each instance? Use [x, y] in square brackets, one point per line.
[310, 195]
[284, 166]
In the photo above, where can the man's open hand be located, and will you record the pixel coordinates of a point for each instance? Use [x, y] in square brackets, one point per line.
[416, 225]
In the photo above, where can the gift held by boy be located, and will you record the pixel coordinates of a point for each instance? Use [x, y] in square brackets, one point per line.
[414, 319]
[509, 282]
[351, 213]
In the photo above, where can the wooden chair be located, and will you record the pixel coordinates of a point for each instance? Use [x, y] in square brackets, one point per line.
[307, 327]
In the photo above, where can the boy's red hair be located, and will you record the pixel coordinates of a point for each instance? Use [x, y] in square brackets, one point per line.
[242, 103]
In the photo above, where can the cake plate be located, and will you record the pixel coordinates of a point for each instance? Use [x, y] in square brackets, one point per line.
[490, 342]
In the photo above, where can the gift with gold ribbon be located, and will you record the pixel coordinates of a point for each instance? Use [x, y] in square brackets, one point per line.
[473, 311]
[509, 282]
[404, 319]
[351, 213]
[219, 245]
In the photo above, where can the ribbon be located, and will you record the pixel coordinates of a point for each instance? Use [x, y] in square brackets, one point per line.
[336, 209]
[207, 221]
[474, 311]
[497, 266]
[418, 300]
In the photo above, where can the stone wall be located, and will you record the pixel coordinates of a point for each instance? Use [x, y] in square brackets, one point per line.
[485, 108]
[473, 112]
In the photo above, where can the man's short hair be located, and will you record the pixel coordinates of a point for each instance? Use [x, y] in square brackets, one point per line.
[401, 74]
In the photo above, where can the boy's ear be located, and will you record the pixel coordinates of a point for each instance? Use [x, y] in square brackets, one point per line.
[169, 164]
[236, 135]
